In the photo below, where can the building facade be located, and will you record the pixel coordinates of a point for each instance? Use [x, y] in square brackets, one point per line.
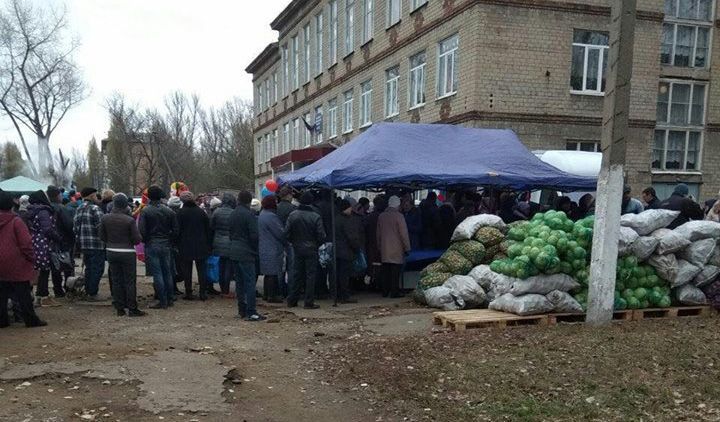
[534, 66]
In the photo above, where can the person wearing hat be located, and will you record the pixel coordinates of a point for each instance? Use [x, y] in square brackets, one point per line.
[220, 228]
[64, 219]
[679, 201]
[86, 230]
[159, 227]
[244, 252]
[194, 244]
[120, 233]
[284, 208]
[630, 205]
[43, 229]
[304, 230]
[15, 280]
[271, 248]
[348, 246]
[394, 243]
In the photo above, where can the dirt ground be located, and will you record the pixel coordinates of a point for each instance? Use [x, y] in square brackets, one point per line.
[380, 360]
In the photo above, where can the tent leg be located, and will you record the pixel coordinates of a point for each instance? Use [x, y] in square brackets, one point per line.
[334, 255]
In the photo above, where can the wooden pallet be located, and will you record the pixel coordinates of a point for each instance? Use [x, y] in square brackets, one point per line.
[481, 318]
[679, 312]
[579, 317]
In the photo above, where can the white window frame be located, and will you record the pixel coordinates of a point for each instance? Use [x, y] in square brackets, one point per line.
[319, 133]
[587, 47]
[259, 151]
[308, 54]
[394, 12]
[267, 93]
[258, 99]
[667, 126]
[319, 43]
[579, 142]
[368, 20]
[392, 89]
[286, 137]
[448, 61]
[275, 148]
[696, 26]
[307, 139]
[415, 4]
[294, 47]
[365, 104]
[416, 82]
[349, 26]
[333, 33]
[286, 71]
[347, 117]
[332, 118]
[275, 87]
[267, 148]
[295, 135]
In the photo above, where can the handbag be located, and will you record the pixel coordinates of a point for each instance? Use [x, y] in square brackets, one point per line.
[61, 260]
[213, 269]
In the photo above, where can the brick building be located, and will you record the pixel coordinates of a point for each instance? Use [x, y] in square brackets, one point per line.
[535, 66]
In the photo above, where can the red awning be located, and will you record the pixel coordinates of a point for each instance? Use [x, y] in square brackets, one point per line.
[300, 156]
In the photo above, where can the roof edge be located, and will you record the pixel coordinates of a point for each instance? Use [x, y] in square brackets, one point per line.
[267, 53]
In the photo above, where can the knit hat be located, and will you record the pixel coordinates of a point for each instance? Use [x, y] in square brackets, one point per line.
[24, 202]
[187, 196]
[682, 189]
[87, 192]
[255, 205]
[307, 198]
[214, 203]
[174, 202]
[269, 202]
[52, 193]
[627, 189]
[154, 193]
[394, 202]
[120, 201]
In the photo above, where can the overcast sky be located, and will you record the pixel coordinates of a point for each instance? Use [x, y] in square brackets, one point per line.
[146, 49]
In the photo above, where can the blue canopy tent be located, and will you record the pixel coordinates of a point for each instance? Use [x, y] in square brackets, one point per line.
[426, 156]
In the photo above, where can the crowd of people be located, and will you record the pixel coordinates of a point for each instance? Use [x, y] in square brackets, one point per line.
[286, 237]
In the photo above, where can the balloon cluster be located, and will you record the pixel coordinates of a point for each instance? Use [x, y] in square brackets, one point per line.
[270, 188]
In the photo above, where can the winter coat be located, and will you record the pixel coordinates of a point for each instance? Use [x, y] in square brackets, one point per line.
[687, 207]
[305, 231]
[16, 247]
[284, 209]
[653, 204]
[158, 225]
[431, 226]
[220, 227]
[633, 206]
[64, 218]
[348, 236]
[243, 235]
[119, 231]
[44, 234]
[194, 240]
[371, 245]
[413, 219]
[272, 243]
[392, 237]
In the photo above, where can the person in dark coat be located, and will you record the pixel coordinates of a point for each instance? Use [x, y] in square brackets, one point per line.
[348, 245]
[244, 252]
[431, 222]
[194, 244]
[413, 219]
[22, 212]
[324, 208]
[285, 207]
[447, 224]
[220, 227]
[305, 231]
[64, 219]
[15, 280]
[678, 201]
[120, 234]
[650, 199]
[45, 237]
[272, 246]
[371, 247]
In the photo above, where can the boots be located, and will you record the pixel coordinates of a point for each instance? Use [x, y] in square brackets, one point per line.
[270, 290]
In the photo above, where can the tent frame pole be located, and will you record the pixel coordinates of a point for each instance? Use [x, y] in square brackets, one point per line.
[333, 267]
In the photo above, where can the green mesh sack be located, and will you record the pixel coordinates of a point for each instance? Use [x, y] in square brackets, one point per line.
[456, 263]
[435, 267]
[491, 253]
[470, 249]
[489, 236]
[433, 280]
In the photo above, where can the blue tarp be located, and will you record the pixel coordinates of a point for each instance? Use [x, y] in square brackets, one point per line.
[423, 156]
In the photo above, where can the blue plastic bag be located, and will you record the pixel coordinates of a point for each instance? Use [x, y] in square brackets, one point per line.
[360, 263]
[213, 269]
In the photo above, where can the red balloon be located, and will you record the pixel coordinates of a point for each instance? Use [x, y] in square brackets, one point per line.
[271, 185]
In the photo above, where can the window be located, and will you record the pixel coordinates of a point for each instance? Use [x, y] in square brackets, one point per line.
[366, 104]
[318, 124]
[286, 138]
[392, 79]
[318, 43]
[394, 8]
[589, 61]
[417, 80]
[368, 18]
[267, 93]
[274, 88]
[295, 137]
[332, 118]
[258, 99]
[686, 33]
[447, 67]
[294, 45]
[417, 3]
[307, 57]
[286, 71]
[307, 138]
[275, 147]
[332, 47]
[348, 112]
[586, 146]
[268, 147]
[680, 120]
[349, 26]
[259, 159]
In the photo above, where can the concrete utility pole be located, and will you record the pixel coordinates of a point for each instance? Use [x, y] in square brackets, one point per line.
[610, 183]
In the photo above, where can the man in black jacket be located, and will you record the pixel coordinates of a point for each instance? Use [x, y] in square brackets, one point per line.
[284, 208]
[650, 199]
[64, 225]
[678, 201]
[244, 252]
[304, 230]
[159, 228]
[348, 245]
[194, 244]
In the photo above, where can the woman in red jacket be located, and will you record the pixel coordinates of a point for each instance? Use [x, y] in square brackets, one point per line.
[16, 247]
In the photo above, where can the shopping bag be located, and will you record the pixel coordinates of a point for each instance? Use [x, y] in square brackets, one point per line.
[360, 263]
[140, 252]
[213, 269]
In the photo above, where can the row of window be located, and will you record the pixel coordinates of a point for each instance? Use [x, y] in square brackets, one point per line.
[294, 68]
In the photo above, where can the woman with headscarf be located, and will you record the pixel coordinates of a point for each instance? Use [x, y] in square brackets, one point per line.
[42, 224]
[271, 247]
[24, 202]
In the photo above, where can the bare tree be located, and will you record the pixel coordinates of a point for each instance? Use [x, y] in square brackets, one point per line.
[39, 82]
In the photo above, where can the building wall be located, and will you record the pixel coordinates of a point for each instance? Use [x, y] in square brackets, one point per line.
[514, 71]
